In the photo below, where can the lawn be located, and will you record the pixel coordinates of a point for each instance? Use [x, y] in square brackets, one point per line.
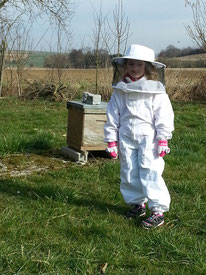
[69, 218]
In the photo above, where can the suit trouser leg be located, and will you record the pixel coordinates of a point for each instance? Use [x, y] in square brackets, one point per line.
[141, 175]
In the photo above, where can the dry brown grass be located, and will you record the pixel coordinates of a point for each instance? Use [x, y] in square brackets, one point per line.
[66, 75]
[181, 84]
[186, 84]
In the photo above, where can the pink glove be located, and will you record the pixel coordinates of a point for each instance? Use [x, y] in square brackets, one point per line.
[112, 149]
[163, 148]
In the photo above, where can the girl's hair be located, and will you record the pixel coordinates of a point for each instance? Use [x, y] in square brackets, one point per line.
[150, 71]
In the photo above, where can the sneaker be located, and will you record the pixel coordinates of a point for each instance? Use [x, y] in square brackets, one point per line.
[155, 220]
[139, 210]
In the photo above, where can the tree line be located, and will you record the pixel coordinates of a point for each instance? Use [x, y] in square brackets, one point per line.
[82, 59]
[172, 51]
[86, 58]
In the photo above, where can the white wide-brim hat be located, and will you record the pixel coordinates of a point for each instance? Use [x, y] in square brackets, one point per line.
[139, 52]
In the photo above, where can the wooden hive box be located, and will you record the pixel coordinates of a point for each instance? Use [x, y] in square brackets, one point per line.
[85, 129]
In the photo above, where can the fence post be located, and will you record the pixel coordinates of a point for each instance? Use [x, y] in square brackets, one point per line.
[2, 61]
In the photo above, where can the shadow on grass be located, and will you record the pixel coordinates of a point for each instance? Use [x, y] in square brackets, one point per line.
[14, 187]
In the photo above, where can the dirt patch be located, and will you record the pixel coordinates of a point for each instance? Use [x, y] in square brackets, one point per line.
[17, 165]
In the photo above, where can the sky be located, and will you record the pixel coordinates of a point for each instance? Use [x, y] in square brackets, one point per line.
[153, 23]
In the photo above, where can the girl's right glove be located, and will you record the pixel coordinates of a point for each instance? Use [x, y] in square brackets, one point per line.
[163, 148]
[112, 149]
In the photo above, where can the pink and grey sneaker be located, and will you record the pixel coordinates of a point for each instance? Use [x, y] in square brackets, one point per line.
[139, 210]
[155, 220]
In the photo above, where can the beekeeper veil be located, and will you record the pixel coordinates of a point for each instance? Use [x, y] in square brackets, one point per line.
[153, 70]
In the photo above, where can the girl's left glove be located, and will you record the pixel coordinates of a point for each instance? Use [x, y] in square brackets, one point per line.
[112, 149]
[163, 148]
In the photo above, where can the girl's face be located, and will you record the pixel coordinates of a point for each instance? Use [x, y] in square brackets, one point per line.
[136, 68]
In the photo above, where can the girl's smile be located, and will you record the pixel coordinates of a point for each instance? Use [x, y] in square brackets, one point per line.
[136, 68]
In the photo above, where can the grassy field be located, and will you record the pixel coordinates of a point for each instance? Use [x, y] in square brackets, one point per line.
[58, 217]
[28, 59]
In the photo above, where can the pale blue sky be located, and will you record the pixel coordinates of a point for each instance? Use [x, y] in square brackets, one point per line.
[153, 23]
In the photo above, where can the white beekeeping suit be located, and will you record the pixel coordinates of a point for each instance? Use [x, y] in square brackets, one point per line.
[139, 114]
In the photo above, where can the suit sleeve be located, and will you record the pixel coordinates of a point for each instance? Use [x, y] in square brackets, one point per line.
[111, 127]
[163, 116]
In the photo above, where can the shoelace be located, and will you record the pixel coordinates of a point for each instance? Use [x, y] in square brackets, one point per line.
[155, 217]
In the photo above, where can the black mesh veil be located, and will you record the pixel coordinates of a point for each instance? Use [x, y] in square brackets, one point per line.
[119, 71]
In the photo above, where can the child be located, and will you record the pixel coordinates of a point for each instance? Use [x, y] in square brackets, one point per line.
[139, 124]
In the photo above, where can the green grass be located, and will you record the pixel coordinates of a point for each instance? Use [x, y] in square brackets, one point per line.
[36, 59]
[70, 220]
[31, 125]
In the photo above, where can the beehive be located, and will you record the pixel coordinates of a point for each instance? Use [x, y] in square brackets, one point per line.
[85, 129]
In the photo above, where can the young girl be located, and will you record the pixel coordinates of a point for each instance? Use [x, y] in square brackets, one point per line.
[139, 124]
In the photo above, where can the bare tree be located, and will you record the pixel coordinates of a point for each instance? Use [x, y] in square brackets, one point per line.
[97, 33]
[19, 48]
[197, 30]
[19, 12]
[2, 60]
[120, 32]
[13, 12]
[60, 10]
[112, 38]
